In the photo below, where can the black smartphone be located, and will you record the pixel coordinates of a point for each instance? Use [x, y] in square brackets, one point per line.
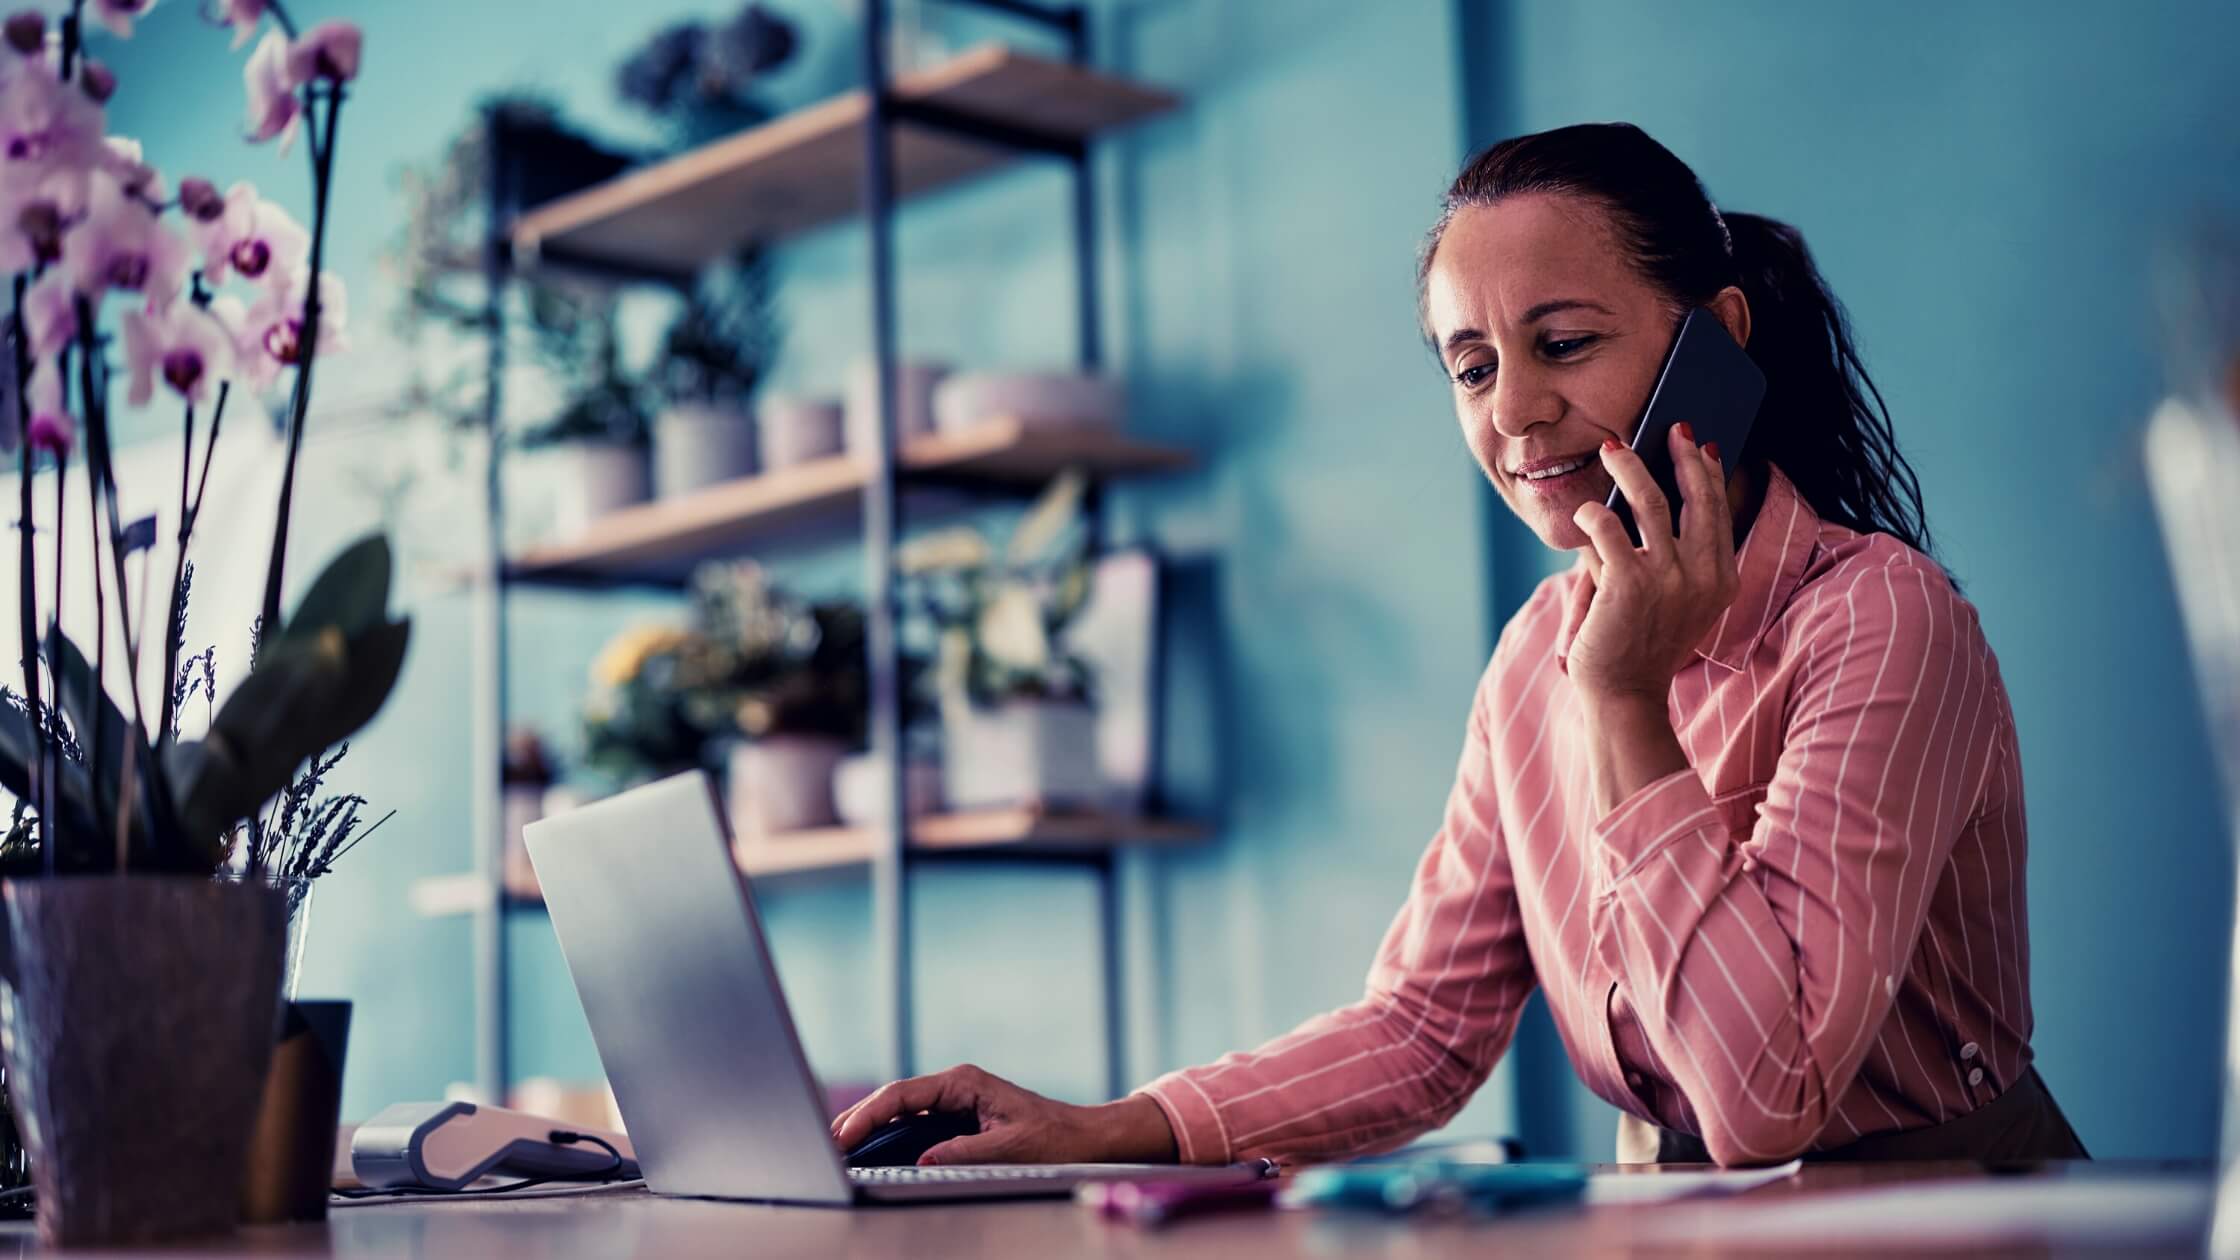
[1707, 381]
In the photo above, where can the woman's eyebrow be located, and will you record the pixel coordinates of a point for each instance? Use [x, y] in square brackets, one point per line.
[1463, 336]
[1546, 309]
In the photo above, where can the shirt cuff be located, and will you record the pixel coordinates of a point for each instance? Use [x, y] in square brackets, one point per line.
[1199, 1136]
[1644, 823]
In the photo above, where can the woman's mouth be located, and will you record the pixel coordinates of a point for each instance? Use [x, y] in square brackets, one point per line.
[1564, 477]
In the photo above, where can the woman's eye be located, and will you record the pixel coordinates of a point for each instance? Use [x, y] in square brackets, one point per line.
[1569, 346]
[1474, 375]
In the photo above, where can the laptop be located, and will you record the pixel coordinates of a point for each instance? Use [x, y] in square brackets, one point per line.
[659, 928]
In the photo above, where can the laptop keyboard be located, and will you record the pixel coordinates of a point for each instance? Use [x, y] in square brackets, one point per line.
[911, 1173]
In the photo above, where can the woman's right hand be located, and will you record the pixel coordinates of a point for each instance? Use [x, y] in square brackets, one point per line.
[1017, 1126]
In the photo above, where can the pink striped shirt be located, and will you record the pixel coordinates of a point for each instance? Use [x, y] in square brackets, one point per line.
[1815, 934]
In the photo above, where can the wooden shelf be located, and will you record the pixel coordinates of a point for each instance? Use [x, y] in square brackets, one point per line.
[805, 169]
[1024, 832]
[662, 540]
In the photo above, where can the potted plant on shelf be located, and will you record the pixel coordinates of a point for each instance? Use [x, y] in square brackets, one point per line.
[791, 674]
[713, 355]
[141, 994]
[562, 329]
[601, 432]
[698, 78]
[1016, 714]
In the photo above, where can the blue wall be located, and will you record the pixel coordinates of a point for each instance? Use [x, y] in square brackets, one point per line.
[1981, 185]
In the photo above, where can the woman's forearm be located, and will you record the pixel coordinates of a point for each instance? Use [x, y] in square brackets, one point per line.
[1630, 745]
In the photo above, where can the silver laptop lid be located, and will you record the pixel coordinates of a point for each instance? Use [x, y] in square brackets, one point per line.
[660, 932]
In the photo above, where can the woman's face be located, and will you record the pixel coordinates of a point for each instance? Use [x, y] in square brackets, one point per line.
[1554, 343]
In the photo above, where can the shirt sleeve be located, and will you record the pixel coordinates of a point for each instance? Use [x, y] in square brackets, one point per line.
[1762, 989]
[1441, 1004]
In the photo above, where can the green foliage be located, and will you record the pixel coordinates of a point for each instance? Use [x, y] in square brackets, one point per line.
[317, 679]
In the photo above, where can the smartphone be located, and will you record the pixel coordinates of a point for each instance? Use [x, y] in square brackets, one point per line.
[1707, 381]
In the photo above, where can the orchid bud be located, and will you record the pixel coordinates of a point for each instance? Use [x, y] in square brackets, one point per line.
[99, 81]
[26, 32]
[53, 432]
[200, 199]
[41, 225]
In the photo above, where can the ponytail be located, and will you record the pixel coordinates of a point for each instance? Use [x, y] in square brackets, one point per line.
[1823, 422]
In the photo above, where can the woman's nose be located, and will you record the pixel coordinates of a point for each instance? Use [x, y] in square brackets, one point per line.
[1521, 402]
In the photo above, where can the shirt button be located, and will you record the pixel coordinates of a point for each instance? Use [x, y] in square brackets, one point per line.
[1976, 1077]
[1968, 1051]
[1890, 985]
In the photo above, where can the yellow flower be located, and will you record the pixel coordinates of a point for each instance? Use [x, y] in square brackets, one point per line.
[618, 664]
[960, 548]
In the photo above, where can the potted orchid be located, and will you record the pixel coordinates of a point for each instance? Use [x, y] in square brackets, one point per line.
[1016, 715]
[714, 354]
[141, 1004]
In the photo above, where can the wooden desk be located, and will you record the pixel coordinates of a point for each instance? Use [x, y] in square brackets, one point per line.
[630, 1222]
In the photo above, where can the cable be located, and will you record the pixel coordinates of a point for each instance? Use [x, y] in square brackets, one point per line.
[559, 1137]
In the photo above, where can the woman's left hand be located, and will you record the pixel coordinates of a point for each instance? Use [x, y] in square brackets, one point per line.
[1648, 607]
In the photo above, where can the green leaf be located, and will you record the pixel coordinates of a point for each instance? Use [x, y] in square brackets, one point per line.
[351, 593]
[307, 693]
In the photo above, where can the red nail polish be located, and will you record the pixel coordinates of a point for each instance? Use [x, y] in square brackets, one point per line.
[1610, 444]
[1712, 448]
[1687, 431]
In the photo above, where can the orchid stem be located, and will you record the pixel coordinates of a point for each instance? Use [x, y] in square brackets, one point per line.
[307, 348]
[28, 597]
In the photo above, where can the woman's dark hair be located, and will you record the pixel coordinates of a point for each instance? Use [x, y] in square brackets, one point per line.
[1823, 421]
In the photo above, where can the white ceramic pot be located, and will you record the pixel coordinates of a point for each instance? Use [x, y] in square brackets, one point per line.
[1037, 400]
[796, 430]
[913, 414]
[782, 783]
[595, 479]
[1021, 752]
[860, 792]
[699, 444]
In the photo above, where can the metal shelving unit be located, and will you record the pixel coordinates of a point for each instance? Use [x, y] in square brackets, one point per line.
[891, 139]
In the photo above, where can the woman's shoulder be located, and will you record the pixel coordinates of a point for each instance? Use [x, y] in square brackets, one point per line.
[1876, 589]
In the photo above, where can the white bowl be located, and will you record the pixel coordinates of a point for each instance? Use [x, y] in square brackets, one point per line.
[1035, 399]
[792, 430]
[915, 382]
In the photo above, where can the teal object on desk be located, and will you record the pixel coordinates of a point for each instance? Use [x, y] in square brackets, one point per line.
[1400, 1186]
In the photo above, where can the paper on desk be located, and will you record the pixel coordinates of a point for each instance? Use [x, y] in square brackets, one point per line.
[2117, 1211]
[1604, 1189]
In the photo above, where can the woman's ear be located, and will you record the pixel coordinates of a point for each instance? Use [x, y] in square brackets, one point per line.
[1733, 310]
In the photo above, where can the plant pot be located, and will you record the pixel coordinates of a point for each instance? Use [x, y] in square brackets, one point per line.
[291, 1158]
[1021, 752]
[1040, 400]
[700, 444]
[595, 479]
[782, 783]
[297, 893]
[793, 431]
[140, 1014]
[860, 789]
[913, 415]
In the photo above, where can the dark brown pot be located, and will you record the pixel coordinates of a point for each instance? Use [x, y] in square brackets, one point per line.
[138, 1019]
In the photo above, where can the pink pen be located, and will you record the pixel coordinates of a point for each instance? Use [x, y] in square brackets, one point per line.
[1152, 1203]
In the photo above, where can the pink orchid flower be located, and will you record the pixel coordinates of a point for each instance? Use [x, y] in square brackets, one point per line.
[117, 15]
[48, 130]
[327, 51]
[183, 344]
[120, 156]
[123, 245]
[273, 107]
[241, 15]
[268, 336]
[50, 313]
[51, 428]
[251, 235]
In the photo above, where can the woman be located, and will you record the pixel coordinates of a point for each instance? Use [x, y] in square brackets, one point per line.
[1745, 801]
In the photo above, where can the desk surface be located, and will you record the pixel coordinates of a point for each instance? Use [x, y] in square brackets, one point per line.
[626, 1222]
